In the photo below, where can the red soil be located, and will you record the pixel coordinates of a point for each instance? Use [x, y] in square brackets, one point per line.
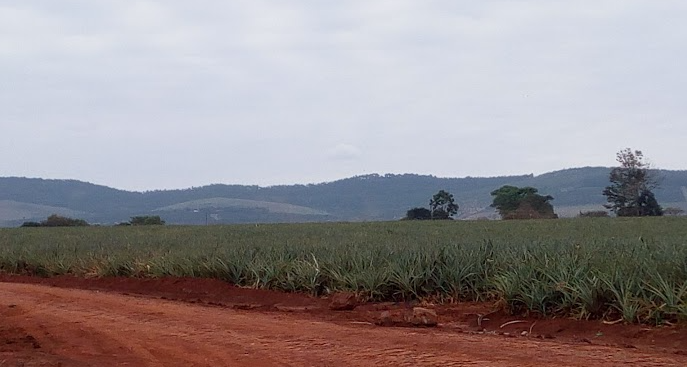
[68, 321]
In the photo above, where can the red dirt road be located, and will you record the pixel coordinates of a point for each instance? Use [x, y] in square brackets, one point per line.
[53, 326]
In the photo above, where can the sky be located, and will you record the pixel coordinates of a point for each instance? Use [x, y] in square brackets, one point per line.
[143, 95]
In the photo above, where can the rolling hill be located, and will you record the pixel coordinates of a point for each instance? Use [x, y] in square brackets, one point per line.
[360, 198]
[12, 210]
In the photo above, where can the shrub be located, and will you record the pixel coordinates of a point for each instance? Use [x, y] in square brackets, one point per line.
[146, 220]
[30, 224]
[57, 221]
[594, 214]
[418, 214]
[527, 211]
[60, 221]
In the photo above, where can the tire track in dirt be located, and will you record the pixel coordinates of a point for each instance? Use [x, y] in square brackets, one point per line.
[106, 329]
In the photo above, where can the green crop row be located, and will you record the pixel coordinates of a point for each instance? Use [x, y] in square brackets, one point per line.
[633, 269]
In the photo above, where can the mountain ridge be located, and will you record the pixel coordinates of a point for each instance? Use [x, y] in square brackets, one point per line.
[357, 198]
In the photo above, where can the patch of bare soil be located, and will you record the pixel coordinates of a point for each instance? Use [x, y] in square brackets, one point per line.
[69, 321]
[17, 347]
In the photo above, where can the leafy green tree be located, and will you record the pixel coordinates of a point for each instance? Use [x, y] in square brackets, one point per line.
[508, 198]
[630, 192]
[522, 203]
[418, 214]
[442, 205]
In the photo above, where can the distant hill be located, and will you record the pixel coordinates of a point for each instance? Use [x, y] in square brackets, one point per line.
[219, 203]
[12, 210]
[369, 197]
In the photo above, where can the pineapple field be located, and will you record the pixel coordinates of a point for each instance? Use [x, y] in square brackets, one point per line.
[615, 269]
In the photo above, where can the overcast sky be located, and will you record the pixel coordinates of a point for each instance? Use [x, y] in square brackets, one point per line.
[171, 94]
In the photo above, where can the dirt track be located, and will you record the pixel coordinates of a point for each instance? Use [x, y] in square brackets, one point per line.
[72, 327]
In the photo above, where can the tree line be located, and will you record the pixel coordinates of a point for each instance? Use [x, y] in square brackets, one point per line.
[630, 194]
[510, 201]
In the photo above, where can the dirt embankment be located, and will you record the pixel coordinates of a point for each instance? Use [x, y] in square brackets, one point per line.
[192, 322]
